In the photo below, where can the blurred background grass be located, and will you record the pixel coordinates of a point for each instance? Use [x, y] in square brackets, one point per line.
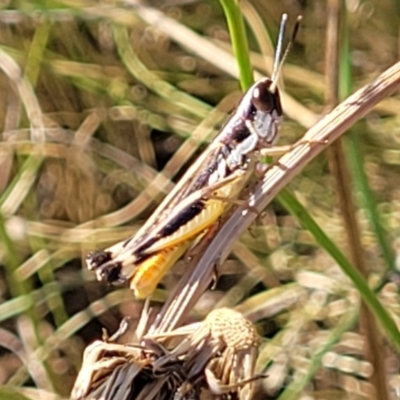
[96, 99]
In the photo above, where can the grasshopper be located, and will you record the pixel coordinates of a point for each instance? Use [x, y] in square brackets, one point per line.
[204, 193]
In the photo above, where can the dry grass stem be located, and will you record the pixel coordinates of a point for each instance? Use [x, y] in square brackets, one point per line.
[317, 139]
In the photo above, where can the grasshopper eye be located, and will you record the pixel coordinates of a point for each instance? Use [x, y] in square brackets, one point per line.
[266, 100]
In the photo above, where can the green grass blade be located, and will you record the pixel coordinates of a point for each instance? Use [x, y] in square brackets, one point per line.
[239, 41]
[296, 209]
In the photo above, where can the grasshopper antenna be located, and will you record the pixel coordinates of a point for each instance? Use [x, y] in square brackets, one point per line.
[278, 62]
[278, 51]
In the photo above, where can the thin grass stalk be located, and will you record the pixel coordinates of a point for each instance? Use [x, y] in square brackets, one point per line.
[151, 80]
[238, 37]
[293, 390]
[368, 326]
[16, 192]
[69, 328]
[32, 69]
[221, 58]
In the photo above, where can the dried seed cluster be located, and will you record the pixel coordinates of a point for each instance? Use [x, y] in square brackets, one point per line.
[213, 358]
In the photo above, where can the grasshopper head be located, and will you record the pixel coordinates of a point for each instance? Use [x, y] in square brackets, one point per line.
[255, 125]
[266, 111]
[265, 94]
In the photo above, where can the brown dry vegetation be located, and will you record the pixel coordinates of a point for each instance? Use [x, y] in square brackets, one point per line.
[95, 101]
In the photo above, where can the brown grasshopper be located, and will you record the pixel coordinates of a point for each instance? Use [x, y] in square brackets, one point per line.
[197, 202]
